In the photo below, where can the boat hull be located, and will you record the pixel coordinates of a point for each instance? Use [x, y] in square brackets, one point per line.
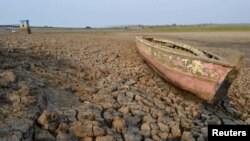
[200, 77]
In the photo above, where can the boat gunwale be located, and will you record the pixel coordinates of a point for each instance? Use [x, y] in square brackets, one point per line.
[172, 51]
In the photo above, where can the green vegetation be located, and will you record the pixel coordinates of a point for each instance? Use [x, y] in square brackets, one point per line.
[194, 28]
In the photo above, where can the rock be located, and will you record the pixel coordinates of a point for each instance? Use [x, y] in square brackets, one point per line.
[229, 108]
[148, 139]
[133, 129]
[163, 127]
[28, 100]
[117, 137]
[130, 94]
[104, 138]
[2, 93]
[87, 139]
[151, 83]
[132, 120]
[159, 103]
[195, 114]
[198, 123]
[76, 87]
[145, 126]
[145, 109]
[21, 97]
[204, 131]
[124, 110]
[130, 82]
[118, 124]
[195, 131]
[200, 138]
[241, 101]
[154, 129]
[131, 137]
[82, 130]
[145, 129]
[156, 138]
[98, 131]
[204, 116]
[63, 127]
[148, 118]
[175, 131]
[122, 99]
[138, 98]
[7, 77]
[187, 136]
[89, 111]
[46, 117]
[105, 91]
[70, 114]
[185, 125]
[62, 136]
[247, 121]
[12, 136]
[13, 97]
[106, 104]
[214, 120]
[154, 113]
[44, 135]
[91, 90]
[163, 135]
[17, 107]
[221, 114]
[229, 122]
[138, 113]
[29, 112]
[244, 116]
[23, 125]
[53, 127]
[147, 103]
[85, 97]
[108, 116]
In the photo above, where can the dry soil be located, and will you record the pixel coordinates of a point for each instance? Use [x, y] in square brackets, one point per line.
[95, 86]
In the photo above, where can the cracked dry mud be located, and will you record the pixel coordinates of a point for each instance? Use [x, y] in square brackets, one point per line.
[95, 86]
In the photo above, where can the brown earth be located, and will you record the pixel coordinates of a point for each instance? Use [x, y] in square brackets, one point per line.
[95, 86]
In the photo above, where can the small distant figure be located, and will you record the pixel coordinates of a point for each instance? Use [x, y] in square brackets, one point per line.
[25, 27]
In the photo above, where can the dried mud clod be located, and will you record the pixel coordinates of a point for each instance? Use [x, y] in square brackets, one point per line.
[6, 78]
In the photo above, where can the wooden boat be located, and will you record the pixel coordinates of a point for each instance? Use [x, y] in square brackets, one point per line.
[190, 68]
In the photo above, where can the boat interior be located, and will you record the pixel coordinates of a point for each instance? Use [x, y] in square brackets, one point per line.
[183, 48]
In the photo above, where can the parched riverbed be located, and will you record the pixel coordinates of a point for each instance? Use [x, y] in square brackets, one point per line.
[95, 86]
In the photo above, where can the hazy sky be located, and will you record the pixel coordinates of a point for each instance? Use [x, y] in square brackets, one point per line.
[96, 13]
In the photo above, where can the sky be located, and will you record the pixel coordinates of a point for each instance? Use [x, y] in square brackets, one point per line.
[103, 13]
